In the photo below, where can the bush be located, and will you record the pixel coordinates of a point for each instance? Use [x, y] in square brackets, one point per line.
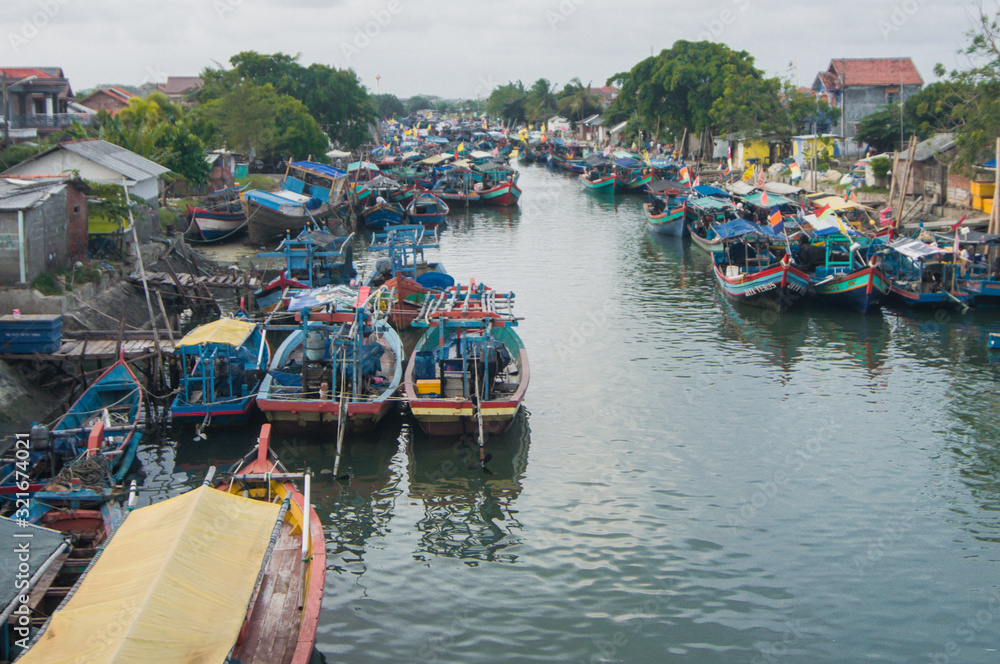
[168, 218]
[880, 167]
[258, 181]
[46, 284]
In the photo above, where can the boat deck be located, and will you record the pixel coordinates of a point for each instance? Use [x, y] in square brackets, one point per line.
[272, 631]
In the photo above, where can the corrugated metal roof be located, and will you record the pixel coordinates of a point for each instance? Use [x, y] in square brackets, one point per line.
[116, 158]
[20, 196]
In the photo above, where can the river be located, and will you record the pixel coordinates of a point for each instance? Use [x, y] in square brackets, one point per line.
[689, 482]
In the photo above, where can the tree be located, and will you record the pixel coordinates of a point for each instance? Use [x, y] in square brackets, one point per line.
[389, 106]
[885, 129]
[334, 97]
[418, 103]
[157, 129]
[677, 88]
[540, 101]
[508, 102]
[974, 101]
[577, 101]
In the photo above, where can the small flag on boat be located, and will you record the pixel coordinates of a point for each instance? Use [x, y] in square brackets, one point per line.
[847, 194]
[460, 148]
[685, 175]
[821, 210]
[763, 197]
[776, 220]
[760, 178]
[796, 171]
[697, 181]
[958, 223]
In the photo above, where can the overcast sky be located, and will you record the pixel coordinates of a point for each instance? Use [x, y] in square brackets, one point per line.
[464, 48]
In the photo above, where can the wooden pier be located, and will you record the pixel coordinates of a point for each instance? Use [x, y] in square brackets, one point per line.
[185, 280]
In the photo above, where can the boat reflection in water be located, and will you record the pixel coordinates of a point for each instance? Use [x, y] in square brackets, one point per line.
[468, 510]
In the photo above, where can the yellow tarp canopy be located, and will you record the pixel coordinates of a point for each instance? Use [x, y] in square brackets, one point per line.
[228, 331]
[173, 585]
[436, 159]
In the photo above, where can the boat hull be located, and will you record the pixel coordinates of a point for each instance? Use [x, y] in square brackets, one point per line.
[670, 222]
[503, 195]
[606, 183]
[862, 290]
[265, 225]
[777, 287]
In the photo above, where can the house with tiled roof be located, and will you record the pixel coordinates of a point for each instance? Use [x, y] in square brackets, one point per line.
[178, 89]
[39, 101]
[111, 99]
[860, 86]
[607, 93]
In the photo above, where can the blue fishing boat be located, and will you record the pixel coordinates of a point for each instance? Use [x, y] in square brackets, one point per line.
[978, 271]
[89, 450]
[749, 273]
[312, 258]
[427, 209]
[222, 364]
[338, 371]
[383, 213]
[923, 276]
[307, 193]
[408, 275]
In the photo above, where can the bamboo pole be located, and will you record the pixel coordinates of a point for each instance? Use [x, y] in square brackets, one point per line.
[895, 176]
[994, 226]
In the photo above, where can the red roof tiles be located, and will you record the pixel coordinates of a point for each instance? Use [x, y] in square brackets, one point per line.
[875, 71]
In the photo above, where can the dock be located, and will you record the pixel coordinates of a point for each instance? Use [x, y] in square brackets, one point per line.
[185, 280]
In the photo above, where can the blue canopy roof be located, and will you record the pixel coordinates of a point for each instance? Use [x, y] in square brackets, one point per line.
[318, 169]
[441, 140]
[741, 227]
[709, 190]
[626, 162]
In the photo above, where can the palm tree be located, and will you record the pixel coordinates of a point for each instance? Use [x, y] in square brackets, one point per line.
[577, 101]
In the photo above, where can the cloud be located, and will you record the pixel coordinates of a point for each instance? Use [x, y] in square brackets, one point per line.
[448, 47]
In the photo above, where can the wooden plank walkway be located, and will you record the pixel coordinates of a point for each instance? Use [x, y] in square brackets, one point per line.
[96, 349]
[235, 280]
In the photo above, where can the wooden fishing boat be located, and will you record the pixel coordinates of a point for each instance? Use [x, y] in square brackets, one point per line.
[251, 559]
[666, 218]
[312, 258]
[427, 209]
[597, 180]
[88, 451]
[840, 276]
[469, 372]
[704, 212]
[383, 213]
[208, 226]
[60, 554]
[409, 277]
[498, 184]
[307, 194]
[634, 176]
[281, 624]
[749, 273]
[923, 276]
[977, 269]
[337, 371]
[456, 188]
[222, 364]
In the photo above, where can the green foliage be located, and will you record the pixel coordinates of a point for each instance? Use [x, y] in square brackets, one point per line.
[15, 154]
[46, 284]
[418, 103]
[168, 218]
[258, 181]
[577, 101]
[882, 129]
[335, 99]
[880, 167]
[677, 88]
[508, 102]
[157, 129]
[389, 106]
[108, 202]
[540, 102]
